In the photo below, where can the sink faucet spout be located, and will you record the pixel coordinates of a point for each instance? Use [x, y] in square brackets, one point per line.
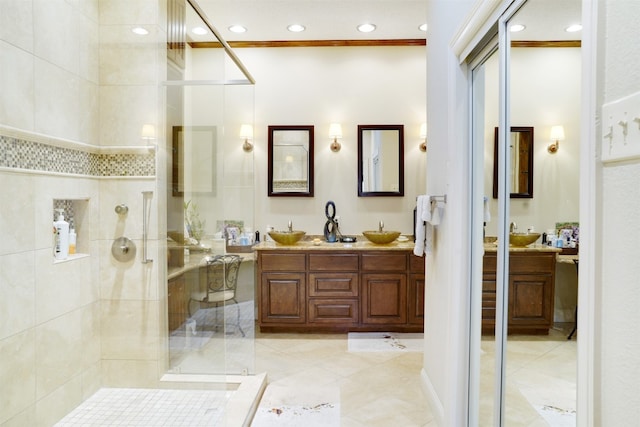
[290, 225]
[513, 227]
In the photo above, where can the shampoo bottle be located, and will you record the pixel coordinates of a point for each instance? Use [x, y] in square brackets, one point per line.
[61, 248]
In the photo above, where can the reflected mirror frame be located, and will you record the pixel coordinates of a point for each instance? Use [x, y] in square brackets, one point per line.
[527, 131]
[400, 192]
[270, 160]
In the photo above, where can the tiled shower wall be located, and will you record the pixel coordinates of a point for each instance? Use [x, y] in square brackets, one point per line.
[77, 86]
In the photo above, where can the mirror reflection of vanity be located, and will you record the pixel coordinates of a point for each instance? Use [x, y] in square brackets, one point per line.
[290, 157]
[380, 160]
[521, 174]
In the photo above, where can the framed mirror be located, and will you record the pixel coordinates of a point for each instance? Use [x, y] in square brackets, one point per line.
[194, 160]
[521, 174]
[290, 157]
[380, 160]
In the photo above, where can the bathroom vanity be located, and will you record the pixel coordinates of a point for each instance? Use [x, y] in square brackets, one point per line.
[531, 289]
[337, 287]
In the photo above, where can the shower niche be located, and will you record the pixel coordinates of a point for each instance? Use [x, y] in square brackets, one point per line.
[74, 212]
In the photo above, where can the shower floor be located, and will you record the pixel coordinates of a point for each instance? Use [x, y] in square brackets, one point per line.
[150, 407]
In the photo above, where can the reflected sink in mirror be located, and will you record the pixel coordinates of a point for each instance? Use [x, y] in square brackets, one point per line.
[287, 237]
[381, 237]
[522, 239]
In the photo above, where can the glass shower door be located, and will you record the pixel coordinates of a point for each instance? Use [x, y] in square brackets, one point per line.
[210, 216]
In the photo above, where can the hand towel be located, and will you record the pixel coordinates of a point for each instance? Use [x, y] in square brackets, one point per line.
[426, 208]
[487, 212]
[436, 212]
[418, 248]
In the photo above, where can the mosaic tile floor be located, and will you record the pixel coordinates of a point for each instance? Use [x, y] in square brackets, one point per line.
[149, 407]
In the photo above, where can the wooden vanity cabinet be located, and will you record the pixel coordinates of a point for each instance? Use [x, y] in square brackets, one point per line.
[531, 292]
[341, 290]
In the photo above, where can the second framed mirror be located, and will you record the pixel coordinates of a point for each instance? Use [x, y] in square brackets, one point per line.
[380, 160]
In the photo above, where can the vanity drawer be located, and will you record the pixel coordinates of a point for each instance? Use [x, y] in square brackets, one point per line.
[333, 284]
[530, 263]
[384, 262]
[333, 262]
[282, 262]
[333, 310]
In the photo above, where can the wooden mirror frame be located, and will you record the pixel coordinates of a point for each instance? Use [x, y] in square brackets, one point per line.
[525, 165]
[400, 192]
[273, 191]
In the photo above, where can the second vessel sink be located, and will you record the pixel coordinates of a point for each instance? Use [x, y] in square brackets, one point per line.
[522, 239]
[287, 237]
[381, 237]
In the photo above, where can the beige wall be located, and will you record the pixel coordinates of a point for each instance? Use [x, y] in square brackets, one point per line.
[319, 86]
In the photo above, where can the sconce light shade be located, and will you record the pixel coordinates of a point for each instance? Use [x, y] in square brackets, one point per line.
[148, 132]
[335, 132]
[246, 134]
[556, 135]
[423, 137]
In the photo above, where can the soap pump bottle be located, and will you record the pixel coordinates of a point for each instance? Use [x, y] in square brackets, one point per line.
[61, 248]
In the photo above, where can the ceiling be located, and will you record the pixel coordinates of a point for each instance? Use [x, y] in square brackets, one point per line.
[267, 20]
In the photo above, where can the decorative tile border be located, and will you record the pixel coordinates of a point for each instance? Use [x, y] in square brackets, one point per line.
[23, 154]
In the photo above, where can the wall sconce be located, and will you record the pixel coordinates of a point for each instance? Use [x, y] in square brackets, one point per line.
[335, 132]
[246, 134]
[423, 137]
[556, 135]
[148, 133]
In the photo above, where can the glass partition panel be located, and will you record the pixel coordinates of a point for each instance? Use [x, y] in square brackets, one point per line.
[210, 198]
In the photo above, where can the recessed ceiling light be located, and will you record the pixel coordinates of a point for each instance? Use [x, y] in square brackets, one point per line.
[423, 27]
[140, 31]
[573, 28]
[296, 28]
[366, 28]
[199, 31]
[237, 29]
[516, 28]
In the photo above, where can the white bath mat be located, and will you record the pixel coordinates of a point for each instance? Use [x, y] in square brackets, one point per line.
[385, 341]
[557, 417]
[290, 406]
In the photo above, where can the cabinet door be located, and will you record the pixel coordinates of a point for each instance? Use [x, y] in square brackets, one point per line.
[282, 298]
[176, 302]
[384, 298]
[416, 299]
[531, 300]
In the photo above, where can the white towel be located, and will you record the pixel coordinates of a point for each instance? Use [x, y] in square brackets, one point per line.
[426, 207]
[436, 213]
[428, 238]
[487, 212]
[418, 248]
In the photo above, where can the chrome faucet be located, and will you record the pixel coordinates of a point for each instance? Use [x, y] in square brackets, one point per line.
[380, 226]
[513, 227]
[290, 225]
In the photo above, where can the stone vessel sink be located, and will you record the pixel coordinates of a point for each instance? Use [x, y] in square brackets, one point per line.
[287, 237]
[522, 239]
[381, 237]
